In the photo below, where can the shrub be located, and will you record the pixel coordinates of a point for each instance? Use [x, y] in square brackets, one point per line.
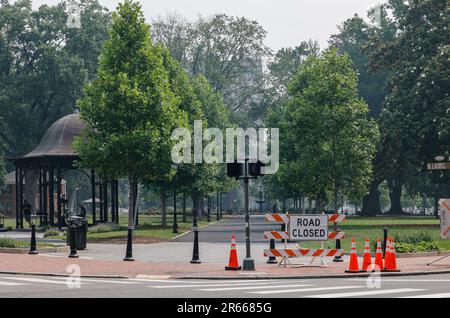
[8, 243]
[104, 228]
[52, 232]
[419, 247]
[413, 238]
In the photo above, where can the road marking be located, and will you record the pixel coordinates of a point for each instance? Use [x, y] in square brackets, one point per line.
[11, 284]
[35, 280]
[367, 293]
[252, 287]
[207, 285]
[304, 290]
[406, 280]
[119, 281]
[442, 295]
[184, 281]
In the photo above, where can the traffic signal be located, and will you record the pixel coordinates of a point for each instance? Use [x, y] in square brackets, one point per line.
[235, 170]
[254, 168]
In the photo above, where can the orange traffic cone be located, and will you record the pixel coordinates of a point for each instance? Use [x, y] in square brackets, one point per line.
[392, 264]
[367, 260]
[379, 257]
[233, 264]
[353, 267]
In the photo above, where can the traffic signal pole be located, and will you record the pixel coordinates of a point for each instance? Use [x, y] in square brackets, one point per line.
[249, 263]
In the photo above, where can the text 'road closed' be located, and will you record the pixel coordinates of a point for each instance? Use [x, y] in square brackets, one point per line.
[308, 227]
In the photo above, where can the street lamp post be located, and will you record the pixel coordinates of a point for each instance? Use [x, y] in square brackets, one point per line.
[33, 248]
[249, 263]
[195, 252]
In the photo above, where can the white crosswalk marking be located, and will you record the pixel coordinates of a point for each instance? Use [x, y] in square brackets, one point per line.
[284, 291]
[36, 280]
[94, 280]
[442, 295]
[367, 293]
[252, 287]
[206, 285]
[11, 284]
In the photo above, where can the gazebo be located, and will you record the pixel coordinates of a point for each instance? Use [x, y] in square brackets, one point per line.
[49, 161]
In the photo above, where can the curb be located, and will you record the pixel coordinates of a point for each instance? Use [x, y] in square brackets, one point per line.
[358, 275]
[63, 275]
[246, 277]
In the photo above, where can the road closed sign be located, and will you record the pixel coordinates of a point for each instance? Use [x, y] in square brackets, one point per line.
[445, 218]
[308, 227]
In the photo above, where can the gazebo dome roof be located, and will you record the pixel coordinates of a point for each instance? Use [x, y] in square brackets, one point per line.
[58, 139]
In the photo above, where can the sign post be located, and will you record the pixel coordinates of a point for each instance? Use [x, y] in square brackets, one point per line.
[444, 208]
[312, 227]
[308, 227]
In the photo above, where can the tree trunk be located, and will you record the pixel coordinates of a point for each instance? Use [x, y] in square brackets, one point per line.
[131, 202]
[184, 207]
[163, 208]
[371, 202]
[395, 195]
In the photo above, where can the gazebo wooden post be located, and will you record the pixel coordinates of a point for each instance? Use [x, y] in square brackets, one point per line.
[51, 196]
[18, 207]
[40, 198]
[58, 193]
[45, 195]
[21, 186]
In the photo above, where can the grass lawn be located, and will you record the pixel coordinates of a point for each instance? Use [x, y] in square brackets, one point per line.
[148, 229]
[360, 228]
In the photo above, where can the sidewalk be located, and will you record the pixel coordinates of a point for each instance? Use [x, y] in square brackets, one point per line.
[57, 265]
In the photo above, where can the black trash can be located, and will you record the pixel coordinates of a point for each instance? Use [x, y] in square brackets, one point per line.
[80, 231]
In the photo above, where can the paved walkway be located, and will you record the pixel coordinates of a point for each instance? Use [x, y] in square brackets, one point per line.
[52, 264]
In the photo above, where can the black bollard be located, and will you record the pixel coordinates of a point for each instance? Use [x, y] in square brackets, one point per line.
[337, 258]
[73, 250]
[272, 259]
[129, 254]
[33, 249]
[195, 252]
[385, 236]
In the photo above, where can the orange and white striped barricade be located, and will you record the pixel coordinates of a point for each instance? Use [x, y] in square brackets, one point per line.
[304, 228]
[444, 209]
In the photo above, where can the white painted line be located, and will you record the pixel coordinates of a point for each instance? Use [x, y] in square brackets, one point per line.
[406, 280]
[207, 285]
[11, 284]
[36, 280]
[442, 295]
[119, 281]
[305, 290]
[367, 293]
[252, 287]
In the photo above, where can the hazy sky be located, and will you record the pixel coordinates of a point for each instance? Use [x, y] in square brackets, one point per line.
[288, 22]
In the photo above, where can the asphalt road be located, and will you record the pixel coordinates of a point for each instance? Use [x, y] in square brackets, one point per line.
[429, 286]
[221, 231]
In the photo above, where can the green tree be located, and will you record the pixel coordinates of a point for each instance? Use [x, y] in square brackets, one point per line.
[354, 39]
[129, 109]
[227, 50]
[332, 141]
[43, 67]
[415, 115]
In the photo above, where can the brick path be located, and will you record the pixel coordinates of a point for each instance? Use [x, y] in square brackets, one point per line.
[94, 267]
